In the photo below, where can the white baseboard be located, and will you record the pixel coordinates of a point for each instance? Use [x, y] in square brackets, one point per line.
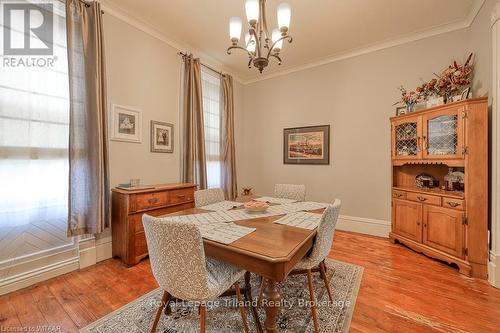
[363, 225]
[29, 278]
[494, 270]
[94, 250]
[90, 251]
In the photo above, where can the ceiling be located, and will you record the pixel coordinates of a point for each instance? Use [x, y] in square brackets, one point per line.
[322, 29]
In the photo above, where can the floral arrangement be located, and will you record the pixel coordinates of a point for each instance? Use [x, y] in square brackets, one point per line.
[450, 82]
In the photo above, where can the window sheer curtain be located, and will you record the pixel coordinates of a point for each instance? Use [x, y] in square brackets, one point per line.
[34, 117]
[89, 194]
[211, 88]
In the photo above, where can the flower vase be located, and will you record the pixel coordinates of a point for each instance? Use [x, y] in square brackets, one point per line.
[409, 107]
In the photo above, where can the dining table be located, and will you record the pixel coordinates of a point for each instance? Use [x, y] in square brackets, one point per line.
[271, 251]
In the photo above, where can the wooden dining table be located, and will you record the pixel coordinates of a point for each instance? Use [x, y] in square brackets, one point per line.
[271, 251]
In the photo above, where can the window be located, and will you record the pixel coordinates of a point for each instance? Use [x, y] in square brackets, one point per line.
[211, 91]
[34, 116]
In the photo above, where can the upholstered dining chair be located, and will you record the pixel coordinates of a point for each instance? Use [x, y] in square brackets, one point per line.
[315, 261]
[289, 191]
[208, 197]
[181, 269]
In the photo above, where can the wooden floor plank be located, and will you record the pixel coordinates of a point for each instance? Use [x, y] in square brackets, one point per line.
[51, 310]
[401, 291]
[28, 313]
[70, 302]
[8, 314]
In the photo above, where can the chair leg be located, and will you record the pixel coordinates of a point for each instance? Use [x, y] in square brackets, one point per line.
[241, 305]
[261, 290]
[202, 318]
[313, 301]
[164, 300]
[322, 267]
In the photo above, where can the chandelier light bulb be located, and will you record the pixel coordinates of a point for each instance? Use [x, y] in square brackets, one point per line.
[276, 36]
[235, 29]
[284, 16]
[252, 10]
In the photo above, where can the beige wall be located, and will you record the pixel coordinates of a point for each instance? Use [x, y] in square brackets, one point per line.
[355, 97]
[143, 73]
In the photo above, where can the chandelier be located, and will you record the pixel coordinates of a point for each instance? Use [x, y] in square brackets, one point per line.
[259, 45]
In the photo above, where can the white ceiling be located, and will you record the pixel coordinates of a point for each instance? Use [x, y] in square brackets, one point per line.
[322, 29]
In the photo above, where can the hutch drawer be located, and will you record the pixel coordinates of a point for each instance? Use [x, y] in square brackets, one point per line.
[424, 198]
[454, 203]
[398, 194]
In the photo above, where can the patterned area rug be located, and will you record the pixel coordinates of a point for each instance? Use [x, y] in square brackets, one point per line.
[223, 315]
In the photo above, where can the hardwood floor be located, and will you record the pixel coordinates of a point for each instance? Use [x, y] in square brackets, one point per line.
[401, 291]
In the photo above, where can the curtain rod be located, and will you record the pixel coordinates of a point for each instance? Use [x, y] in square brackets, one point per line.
[184, 54]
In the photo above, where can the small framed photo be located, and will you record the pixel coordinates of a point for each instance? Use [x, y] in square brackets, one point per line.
[465, 94]
[126, 124]
[162, 137]
[400, 110]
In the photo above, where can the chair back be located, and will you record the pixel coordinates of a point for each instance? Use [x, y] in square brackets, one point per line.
[177, 257]
[289, 191]
[326, 231]
[208, 197]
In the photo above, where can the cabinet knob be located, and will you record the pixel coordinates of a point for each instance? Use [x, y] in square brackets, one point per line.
[453, 204]
[422, 199]
[425, 225]
[418, 222]
[152, 200]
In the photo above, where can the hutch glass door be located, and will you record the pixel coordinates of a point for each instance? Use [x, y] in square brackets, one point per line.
[406, 139]
[443, 135]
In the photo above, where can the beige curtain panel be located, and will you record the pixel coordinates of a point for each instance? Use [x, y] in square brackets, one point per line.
[228, 158]
[193, 147]
[89, 195]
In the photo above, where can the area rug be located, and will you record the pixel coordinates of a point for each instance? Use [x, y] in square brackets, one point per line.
[224, 316]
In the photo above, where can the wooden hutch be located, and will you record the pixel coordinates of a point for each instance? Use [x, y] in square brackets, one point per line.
[447, 225]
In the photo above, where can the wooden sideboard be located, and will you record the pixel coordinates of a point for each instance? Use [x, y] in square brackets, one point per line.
[129, 241]
[448, 225]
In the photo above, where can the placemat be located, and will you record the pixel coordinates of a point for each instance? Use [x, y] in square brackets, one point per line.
[224, 233]
[223, 205]
[279, 201]
[303, 220]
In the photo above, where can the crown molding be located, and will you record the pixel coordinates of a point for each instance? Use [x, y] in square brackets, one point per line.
[119, 13]
[439, 30]
[114, 10]
[495, 15]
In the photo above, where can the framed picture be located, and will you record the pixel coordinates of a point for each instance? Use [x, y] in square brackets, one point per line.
[162, 137]
[126, 124]
[400, 110]
[306, 145]
[465, 94]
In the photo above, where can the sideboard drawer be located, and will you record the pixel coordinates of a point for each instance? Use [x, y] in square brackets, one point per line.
[399, 194]
[424, 198]
[183, 195]
[151, 200]
[136, 219]
[454, 203]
